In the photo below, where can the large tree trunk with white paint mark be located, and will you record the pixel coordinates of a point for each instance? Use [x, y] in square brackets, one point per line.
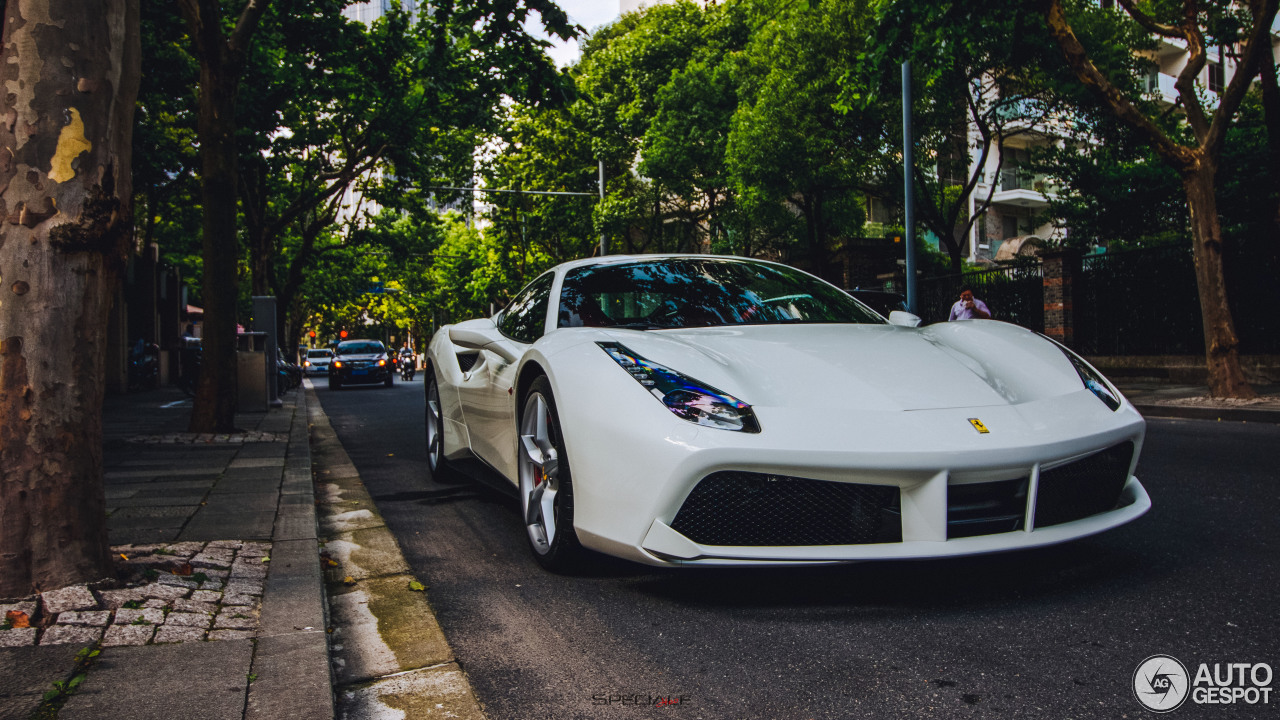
[70, 73]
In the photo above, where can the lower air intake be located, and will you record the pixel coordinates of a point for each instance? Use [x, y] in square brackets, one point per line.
[1082, 488]
[743, 508]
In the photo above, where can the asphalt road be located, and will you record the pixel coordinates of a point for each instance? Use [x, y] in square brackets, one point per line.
[1055, 633]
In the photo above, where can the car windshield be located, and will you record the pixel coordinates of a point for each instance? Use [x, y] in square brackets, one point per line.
[701, 292]
[359, 347]
[317, 354]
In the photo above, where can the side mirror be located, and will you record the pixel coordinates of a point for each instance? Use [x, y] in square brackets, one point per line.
[904, 319]
[471, 336]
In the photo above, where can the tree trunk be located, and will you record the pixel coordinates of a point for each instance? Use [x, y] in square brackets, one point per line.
[222, 59]
[70, 73]
[1226, 378]
[216, 396]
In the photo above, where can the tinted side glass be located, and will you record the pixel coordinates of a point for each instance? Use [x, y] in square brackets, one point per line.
[525, 319]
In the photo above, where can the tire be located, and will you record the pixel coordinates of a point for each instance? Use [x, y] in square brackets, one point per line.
[441, 470]
[546, 489]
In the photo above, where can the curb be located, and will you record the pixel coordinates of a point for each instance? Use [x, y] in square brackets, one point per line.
[1186, 412]
[291, 661]
[389, 655]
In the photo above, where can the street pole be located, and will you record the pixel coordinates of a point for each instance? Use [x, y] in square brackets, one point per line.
[603, 250]
[908, 162]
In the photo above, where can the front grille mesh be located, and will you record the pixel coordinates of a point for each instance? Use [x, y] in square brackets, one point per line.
[1085, 487]
[986, 508]
[753, 509]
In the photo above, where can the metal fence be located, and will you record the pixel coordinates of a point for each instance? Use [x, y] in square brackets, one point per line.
[1015, 293]
[1145, 302]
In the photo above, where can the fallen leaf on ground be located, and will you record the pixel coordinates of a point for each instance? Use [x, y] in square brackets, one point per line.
[17, 619]
[417, 586]
[348, 580]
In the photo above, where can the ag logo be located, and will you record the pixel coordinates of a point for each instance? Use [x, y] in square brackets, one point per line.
[977, 425]
[1161, 683]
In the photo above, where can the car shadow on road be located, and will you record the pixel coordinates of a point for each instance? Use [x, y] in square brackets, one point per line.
[1075, 568]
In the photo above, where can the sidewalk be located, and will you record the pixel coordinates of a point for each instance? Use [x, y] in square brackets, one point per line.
[218, 611]
[1157, 399]
[223, 613]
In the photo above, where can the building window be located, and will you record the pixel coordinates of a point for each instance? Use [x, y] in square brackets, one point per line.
[1217, 78]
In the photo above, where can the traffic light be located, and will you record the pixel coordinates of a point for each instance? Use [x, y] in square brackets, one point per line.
[343, 334]
[312, 334]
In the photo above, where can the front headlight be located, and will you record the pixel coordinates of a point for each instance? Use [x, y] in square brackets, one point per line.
[1091, 378]
[694, 401]
[337, 363]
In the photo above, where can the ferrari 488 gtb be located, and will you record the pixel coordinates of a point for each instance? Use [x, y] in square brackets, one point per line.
[708, 410]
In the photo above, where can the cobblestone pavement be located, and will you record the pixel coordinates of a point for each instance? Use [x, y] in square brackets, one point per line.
[180, 592]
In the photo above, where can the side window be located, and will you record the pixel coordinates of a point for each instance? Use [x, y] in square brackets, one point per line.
[525, 318]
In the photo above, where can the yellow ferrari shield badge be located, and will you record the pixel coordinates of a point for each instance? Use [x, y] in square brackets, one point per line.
[977, 425]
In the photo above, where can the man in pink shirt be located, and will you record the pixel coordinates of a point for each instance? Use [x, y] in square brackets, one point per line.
[968, 307]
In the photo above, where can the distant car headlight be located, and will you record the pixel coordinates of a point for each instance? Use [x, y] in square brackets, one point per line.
[382, 362]
[1091, 378]
[690, 399]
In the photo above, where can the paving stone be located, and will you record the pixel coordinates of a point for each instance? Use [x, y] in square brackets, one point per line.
[76, 597]
[71, 635]
[128, 635]
[27, 608]
[185, 550]
[193, 606]
[125, 616]
[232, 634]
[156, 603]
[204, 596]
[17, 637]
[250, 572]
[97, 618]
[225, 545]
[115, 599]
[165, 592]
[207, 560]
[236, 619]
[188, 619]
[177, 634]
[212, 585]
[239, 600]
[216, 574]
[244, 587]
[179, 581]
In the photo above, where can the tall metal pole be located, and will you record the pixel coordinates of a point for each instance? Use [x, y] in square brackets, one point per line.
[603, 249]
[908, 162]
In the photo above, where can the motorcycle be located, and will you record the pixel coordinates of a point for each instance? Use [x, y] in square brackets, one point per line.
[144, 366]
[408, 366]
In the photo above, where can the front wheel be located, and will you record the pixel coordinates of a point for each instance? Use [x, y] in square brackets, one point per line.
[441, 471]
[546, 491]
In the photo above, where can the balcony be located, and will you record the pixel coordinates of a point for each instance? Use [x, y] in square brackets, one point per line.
[1016, 186]
[1161, 85]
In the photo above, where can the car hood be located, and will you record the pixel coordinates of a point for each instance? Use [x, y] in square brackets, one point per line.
[867, 367]
[362, 356]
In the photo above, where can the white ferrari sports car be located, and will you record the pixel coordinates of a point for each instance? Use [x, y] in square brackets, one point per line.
[711, 410]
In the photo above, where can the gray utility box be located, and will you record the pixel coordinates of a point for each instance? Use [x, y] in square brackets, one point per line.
[251, 370]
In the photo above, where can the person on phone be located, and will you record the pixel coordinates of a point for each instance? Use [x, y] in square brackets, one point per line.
[968, 307]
